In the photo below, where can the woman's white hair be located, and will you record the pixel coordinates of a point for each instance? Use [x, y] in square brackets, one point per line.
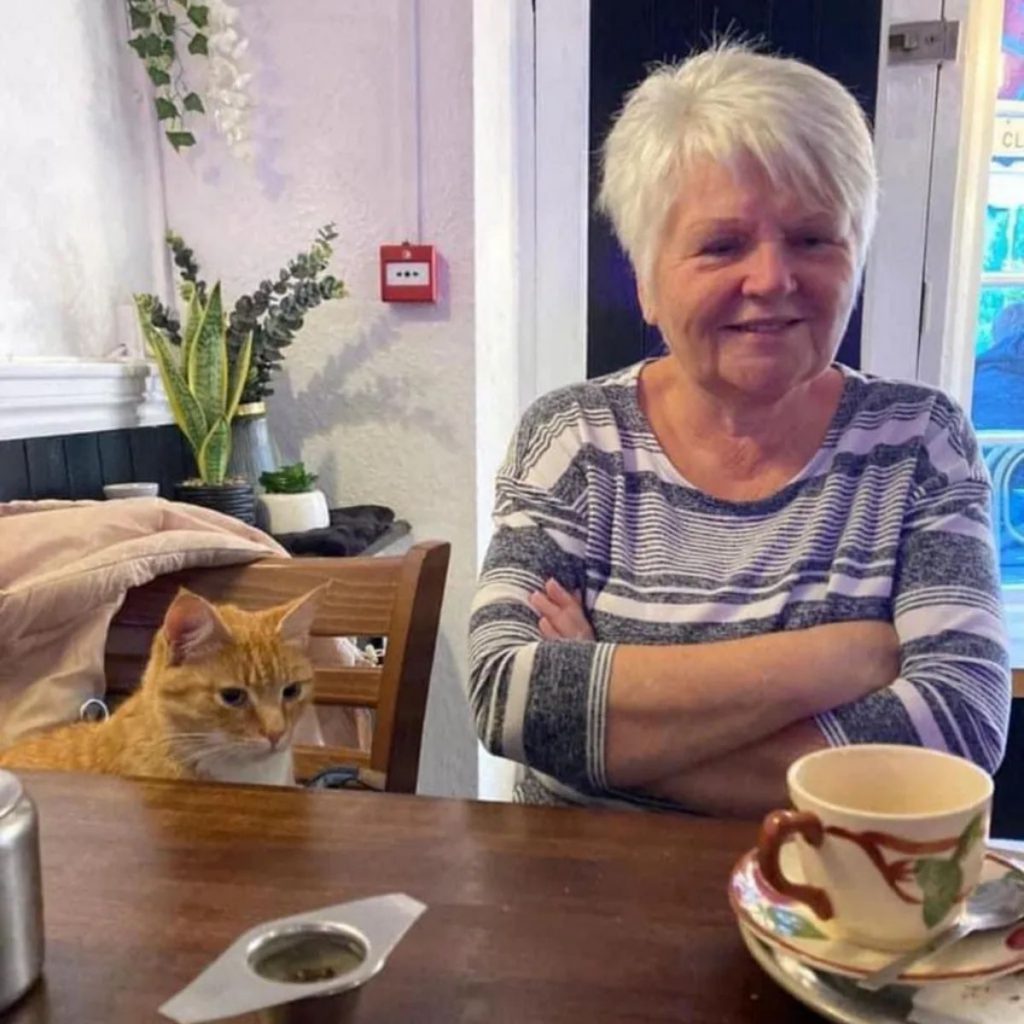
[803, 128]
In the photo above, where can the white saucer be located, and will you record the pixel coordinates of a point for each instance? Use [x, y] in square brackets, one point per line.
[793, 928]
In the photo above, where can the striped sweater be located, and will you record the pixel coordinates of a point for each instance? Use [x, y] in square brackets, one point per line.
[889, 520]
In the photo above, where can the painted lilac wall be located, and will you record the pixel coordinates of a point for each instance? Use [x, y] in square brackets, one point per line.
[363, 115]
[79, 176]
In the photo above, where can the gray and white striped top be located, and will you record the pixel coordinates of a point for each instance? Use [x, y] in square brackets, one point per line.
[889, 520]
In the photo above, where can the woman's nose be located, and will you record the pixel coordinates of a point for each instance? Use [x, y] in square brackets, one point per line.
[769, 270]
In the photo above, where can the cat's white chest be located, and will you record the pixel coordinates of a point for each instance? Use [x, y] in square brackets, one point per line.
[275, 770]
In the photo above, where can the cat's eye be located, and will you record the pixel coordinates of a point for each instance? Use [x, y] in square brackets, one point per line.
[233, 696]
[292, 691]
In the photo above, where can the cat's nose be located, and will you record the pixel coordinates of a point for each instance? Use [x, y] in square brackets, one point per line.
[274, 736]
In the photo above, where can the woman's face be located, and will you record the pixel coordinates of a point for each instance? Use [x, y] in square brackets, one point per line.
[752, 285]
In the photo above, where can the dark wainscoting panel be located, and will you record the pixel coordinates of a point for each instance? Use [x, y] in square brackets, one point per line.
[78, 465]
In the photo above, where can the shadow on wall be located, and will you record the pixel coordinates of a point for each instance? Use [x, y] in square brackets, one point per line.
[448, 759]
[332, 398]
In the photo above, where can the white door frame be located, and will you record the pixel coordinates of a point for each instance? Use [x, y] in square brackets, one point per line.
[904, 115]
[530, 150]
[933, 137]
[967, 101]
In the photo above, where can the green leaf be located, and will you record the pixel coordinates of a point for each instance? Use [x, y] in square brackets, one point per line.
[140, 46]
[154, 45]
[167, 23]
[157, 75]
[240, 375]
[193, 319]
[214, 454]
[198, 14]
[940, 882]
[793, 925]
[139, 18]
[179, 139]
[165, 109]
[290, 479]
[187, 413]
[207, 368]
[166, 49]
[198, 44]
[193, 102]
[970, 835]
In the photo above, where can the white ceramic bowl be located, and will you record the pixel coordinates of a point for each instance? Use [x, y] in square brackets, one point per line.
[131, 490]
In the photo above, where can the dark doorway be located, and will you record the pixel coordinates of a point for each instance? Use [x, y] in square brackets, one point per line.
[839, 36]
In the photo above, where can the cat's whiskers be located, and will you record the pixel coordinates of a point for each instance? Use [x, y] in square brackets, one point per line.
[196, 754]
[175, 737]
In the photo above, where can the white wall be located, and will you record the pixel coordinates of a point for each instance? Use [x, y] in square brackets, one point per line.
[363, 116]
[78, 176]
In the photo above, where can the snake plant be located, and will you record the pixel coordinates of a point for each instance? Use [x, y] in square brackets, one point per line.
[203, 386]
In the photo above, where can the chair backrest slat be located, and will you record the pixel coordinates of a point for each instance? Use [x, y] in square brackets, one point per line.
[351, 687]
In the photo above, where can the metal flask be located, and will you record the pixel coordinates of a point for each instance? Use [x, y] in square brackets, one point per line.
[21, 892]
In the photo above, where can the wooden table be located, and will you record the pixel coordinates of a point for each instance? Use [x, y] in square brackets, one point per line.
[535, 914]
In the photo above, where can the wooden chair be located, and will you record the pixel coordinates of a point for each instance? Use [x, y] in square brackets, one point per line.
[398, 598]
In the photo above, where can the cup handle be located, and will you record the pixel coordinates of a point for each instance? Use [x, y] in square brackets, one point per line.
[776, 829]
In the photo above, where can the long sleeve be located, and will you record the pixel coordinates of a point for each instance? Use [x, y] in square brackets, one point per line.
[954, 691]
[537, 701]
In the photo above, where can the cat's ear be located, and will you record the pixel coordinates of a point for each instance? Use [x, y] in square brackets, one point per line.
[297, 618]
[192, 628]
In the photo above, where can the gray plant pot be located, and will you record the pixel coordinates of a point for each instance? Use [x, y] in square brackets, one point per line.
[253, 450]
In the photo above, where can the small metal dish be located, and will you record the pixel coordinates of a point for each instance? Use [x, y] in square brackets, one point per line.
[306, 969]
[307, 954]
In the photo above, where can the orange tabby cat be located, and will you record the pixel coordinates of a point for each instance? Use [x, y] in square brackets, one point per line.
[219, 699]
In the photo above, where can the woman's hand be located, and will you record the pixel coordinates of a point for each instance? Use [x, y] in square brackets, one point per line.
[561, 613]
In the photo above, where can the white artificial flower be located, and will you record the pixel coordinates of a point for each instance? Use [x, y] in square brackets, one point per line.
[227, 83]
[224, 41]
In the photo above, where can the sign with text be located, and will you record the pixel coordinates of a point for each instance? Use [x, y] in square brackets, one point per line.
[1009, 137]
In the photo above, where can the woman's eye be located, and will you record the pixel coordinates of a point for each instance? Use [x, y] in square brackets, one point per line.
[720, 247]
[292, 691]
[811, 241]
[233, 696]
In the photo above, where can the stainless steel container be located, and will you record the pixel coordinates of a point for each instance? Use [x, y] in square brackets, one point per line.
[21, 892]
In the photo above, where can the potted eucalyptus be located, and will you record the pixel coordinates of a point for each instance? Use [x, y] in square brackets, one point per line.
[290, 503]
[204, 388]
[271, 316]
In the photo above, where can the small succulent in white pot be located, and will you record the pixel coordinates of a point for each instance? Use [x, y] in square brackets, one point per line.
[290, 503]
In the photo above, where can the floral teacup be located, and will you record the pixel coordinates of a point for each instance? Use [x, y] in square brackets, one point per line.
[891, 840]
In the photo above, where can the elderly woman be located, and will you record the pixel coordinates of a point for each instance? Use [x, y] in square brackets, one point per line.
[712, 562]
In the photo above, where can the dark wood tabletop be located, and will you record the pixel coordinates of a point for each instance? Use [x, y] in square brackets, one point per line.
[535, 914]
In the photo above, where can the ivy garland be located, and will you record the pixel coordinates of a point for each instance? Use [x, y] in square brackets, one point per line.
[158, 28]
